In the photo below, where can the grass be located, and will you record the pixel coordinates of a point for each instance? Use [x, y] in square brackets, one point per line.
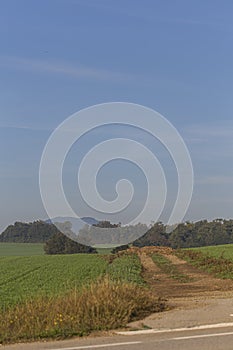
[103, 251]
[218, 251]
[30, 249]
[168, 268]
[65, 295]
[21, 249]
[103, 305]
[209, 260]
[126, 268]
[26, 277]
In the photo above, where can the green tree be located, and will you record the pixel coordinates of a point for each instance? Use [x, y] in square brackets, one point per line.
[61, 244]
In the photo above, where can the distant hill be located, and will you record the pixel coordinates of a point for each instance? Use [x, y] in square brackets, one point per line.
[76, 223]
[89, 220]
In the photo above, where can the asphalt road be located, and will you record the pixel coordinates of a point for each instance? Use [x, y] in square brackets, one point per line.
[216, 338]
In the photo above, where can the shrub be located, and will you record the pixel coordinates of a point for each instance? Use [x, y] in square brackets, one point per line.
[102, 305]
[61, 244]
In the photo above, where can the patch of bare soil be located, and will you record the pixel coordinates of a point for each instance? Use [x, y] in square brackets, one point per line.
[199, 283]
[202, 299]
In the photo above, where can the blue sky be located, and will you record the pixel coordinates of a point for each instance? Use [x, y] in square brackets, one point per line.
[59, 56]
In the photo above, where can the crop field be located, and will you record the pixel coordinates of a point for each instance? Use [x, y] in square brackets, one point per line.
[126, 268]
[217, 260]
[63, 295]
[26, 277]
[21, 249]
[30, 249]
[224, 251]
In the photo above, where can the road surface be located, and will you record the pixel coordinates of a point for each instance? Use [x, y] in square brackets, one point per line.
[217, 337]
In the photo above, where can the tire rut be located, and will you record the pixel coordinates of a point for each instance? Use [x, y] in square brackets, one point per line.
[163, 285]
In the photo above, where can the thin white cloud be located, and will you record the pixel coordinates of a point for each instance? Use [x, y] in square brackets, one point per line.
[210, 141]
[70, 70]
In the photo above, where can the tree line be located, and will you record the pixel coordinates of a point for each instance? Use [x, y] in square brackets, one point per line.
[185, 235]
[189, 234]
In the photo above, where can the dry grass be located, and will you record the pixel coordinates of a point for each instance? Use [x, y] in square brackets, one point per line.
[102, 305]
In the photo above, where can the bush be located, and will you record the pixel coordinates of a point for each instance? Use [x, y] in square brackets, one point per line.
[61, 244]
[102, 305]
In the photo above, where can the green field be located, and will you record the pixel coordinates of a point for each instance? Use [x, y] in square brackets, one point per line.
[224, 251]
[26, 277]
[217, 260]
[25, 271]
[21, 249]
[30, 249]
[127, 269]
[61, 296]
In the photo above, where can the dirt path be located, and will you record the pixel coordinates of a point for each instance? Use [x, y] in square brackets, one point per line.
[199, 283]
[203, 299]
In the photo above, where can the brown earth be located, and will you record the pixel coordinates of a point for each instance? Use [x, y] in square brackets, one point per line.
[202, 299]
[198, 282]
